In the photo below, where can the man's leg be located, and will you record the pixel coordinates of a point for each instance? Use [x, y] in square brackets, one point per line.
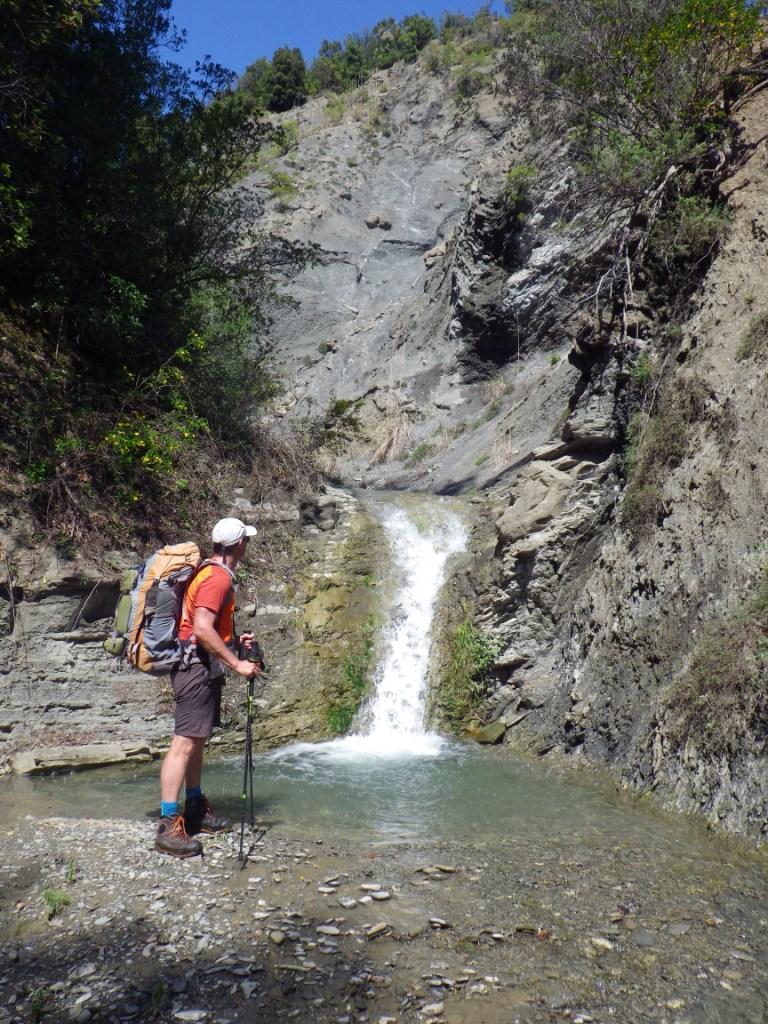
[194, 772]
[183, 763]
[189, 688]
[171, 835]
[198, 813]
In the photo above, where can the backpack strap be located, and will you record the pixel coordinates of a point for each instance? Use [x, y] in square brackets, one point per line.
[213, 561]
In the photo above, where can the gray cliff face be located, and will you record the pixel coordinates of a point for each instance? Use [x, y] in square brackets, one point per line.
[55, 679]
[478, 345]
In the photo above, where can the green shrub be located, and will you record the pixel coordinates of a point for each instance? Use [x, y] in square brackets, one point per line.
[431, 59]
[38, 1001]
[641, 372]
[419, 453]
[658, 443]
[641, 81]
[754, 343]
[282, 186]
[468, 82]
[624, 165]
[55, 900]
[335, 108]
[287, 137]
[720, 701]
[517, 185]
[689, 231]
[468, 673]
[339, 425]
[354, 682]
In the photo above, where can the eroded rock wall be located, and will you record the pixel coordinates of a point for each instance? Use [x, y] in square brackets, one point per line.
[66, 703]
[595, 622]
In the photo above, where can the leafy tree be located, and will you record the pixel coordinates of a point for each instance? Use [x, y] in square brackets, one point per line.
[288, 85]
[384, 43]
[417, 31]
[128, 242]
[646, 70]
[256, 82]
[345, 66]
[326, 73]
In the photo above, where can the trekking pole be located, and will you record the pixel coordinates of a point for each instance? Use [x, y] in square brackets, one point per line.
[247, 769]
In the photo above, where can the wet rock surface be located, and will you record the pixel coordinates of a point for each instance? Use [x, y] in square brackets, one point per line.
[471, 932]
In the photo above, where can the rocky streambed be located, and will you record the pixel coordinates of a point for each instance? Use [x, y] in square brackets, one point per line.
[536, 924]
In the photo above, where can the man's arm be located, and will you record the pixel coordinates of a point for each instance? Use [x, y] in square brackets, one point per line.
[204, 627]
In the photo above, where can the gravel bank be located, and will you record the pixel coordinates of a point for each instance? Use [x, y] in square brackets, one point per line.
[351, 932]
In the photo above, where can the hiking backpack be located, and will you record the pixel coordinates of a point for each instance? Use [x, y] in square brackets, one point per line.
[146, 625]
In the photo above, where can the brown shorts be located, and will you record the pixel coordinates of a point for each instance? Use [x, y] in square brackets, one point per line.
[198, 700]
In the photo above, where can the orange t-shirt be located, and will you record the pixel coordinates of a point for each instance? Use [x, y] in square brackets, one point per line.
[211, 588]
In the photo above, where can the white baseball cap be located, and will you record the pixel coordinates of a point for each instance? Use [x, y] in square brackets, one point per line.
[229, 531]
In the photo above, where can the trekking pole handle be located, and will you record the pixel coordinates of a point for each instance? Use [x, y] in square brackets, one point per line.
[250, 650]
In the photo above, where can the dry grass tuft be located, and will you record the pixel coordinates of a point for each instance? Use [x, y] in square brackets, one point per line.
[393, 435]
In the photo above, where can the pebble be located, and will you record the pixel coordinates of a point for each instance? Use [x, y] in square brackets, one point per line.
[277, 937]
[377, 929]
[370, 887]
[190, 1016]
[433, 1009]
[326, 890]
[680, 928]
[600, 943]
[381, 895]
[328, 929]
[348, 902]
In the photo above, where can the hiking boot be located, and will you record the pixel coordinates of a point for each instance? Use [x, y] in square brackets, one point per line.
[172, 838]
[199, 816]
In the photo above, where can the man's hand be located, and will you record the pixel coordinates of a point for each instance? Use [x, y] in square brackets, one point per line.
[248, 669]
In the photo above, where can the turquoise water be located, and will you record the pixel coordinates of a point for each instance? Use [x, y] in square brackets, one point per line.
[459, 792]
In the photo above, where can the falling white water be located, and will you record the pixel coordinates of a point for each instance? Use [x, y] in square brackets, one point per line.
[392, 723]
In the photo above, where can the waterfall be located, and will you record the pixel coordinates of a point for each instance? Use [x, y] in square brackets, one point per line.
[422, 538]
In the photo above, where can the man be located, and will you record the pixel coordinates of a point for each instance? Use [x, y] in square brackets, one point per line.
[207, 636]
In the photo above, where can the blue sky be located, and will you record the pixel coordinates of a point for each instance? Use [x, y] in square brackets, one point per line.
[236, 32]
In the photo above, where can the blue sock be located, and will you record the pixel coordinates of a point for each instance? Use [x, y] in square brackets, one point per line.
[194, 793]
[168, 810]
